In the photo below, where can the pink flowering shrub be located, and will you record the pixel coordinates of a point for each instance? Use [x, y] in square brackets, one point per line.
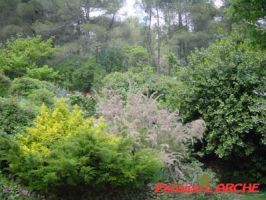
[150, 125]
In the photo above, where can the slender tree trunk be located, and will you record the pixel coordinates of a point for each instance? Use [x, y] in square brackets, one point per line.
[87, 21]
[110, 27]
[112, 21]
[168, 22]
[180, 23]
[149, 33]
[159, 41]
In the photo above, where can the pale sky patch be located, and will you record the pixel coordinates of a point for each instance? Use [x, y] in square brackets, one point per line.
[130, 9]
[218, 3]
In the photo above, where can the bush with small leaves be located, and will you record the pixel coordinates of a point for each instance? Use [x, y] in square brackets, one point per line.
[25, 86]
[86, 103]
[19, 54]
[225, 85]
[44, 73]
[145, 80]
[40, 96]
[14, 118]
[5, 84]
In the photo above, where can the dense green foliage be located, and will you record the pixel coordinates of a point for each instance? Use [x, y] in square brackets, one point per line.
[18, 16]
[80, 74]
[40, 96]
[225, 83]
[21, 54]
[249, 10]
[13, 118]
[86, 103]
[251, 16]
[124, 58]
[44, 73]
[25, 86]
[145, 80]
[4, 85]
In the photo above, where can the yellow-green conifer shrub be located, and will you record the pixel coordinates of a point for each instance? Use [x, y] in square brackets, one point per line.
[63, 150]
[54, 125]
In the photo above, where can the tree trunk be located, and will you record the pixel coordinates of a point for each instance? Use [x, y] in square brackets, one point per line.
[180, 23]
[149, 33]
[159, 41]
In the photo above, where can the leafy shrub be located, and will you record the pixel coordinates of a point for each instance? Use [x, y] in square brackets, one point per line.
[112, 59]
[223, 85]
[65, 151]
[20, 54]
[146, 80]
[224, 82]
[246, 15]
[87, 76]
[25, 86]
[136, 57]
[40, 96]
[124, 58]
[6, 144]
[86, 103]
[83, 78]
[80, 74]
[13, 118]
[4, 85]
[44, 73]
[66, 69]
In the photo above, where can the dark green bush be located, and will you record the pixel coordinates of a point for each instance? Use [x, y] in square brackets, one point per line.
[223, 85]
[86, 103]
[24, 86]
[13, 118]
[44, 73]
[112, 59]
[4, 85]
[6, 145]
[145, 80]
[80, 74]
[40, 96]
[82, 79]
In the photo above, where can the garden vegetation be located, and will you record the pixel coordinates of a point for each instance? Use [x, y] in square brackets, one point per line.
[93, 106]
